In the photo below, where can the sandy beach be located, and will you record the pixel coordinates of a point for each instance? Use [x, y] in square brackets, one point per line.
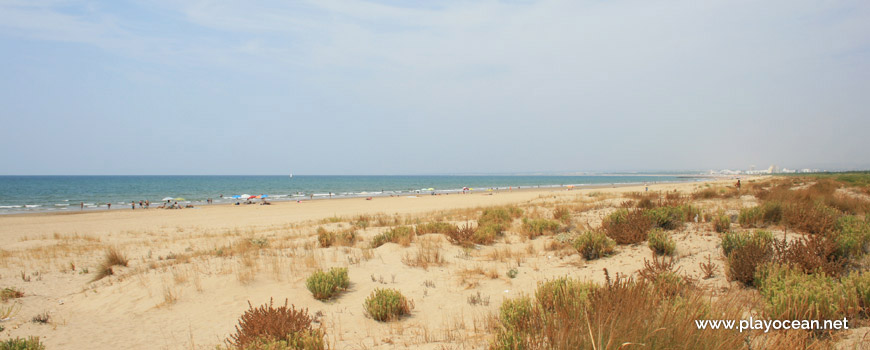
[192, 272]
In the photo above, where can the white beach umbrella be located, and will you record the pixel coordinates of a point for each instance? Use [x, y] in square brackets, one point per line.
[167, 199]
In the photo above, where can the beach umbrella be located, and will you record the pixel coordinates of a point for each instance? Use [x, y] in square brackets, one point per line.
[236, 196]
[167, 199]
[179, 199]
[264, 196]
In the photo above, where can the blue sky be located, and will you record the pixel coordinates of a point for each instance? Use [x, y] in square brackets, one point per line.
[404, 87]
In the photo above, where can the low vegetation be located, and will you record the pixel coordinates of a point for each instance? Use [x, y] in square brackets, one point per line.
[661, 243]
[325, 285]
[328, 238]
[31, 343]
[268, 327]
[387, 305]
[400, 234]
[538, 227]
[10, 293]
[627, 226]
[593, 245]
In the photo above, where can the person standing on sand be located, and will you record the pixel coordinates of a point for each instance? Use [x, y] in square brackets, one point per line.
[133, 205]
[82, 206]
[109, 205]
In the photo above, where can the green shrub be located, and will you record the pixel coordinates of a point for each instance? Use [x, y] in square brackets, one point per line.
[499, 215]
[853, 239]
[593, 245]
[387, 305]
[562, 214]
[436, 227]
[272, 328]
[563, 293]
[661, 243]
[733, 240]
[858, 282]
[667, 218]
[627, 226]
[790, 294]
[31, 343]
[400, 234]
[538, 227]
[324, 285]
[487, 234]
[721, 223]
[750, 217]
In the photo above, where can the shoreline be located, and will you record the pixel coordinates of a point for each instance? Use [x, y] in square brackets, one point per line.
[380, 195]
[363, 194]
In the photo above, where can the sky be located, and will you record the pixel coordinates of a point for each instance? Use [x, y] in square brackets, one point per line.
[431, 87]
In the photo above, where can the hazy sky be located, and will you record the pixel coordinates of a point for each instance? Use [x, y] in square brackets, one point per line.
[410, 87]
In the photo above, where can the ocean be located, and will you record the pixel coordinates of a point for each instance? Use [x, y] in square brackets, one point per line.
[27, 194]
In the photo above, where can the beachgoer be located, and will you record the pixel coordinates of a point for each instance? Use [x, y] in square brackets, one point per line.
[82, 206]
[147, 204]
[108, 206]
[133, 205]
[738, 184]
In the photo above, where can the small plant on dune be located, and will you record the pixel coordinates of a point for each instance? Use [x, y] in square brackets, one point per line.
[269, 327]
[790, 294]
[400, 234]
[113, 258]
[325, 285]
[463, 235]
[667, 217]
[627, 226]
[563, 293]
[750, 217]
[328, 238]
[31, 343]
[41, 318]
[539, 227]
[387, 305]
[721, 223]
[9, 293]
[562, 214]
[661, 243]
[512, 273]
[593, 245]
[708, 268]
[445, 228]
[744, 253]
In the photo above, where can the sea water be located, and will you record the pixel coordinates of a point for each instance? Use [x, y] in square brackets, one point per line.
[23, 194]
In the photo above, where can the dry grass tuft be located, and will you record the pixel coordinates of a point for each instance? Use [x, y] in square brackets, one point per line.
[428, 253]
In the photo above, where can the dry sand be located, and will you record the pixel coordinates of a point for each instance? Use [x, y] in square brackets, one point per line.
[192, 272]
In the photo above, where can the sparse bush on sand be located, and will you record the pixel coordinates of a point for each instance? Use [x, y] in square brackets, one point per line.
[400, 234]
[593, 245]
[113, 258]
[661, 243]
[539, 227]
[721, 223]
[445, 228]
[9, 293]
[325, 285]
[562, 214]
[387, 305]
[328, 238]
[627, 226]
[576, 315]
[744, 253]
[267, 328]
[31, 343]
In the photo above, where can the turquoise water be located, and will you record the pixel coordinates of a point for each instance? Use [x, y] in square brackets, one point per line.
[21, 194]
